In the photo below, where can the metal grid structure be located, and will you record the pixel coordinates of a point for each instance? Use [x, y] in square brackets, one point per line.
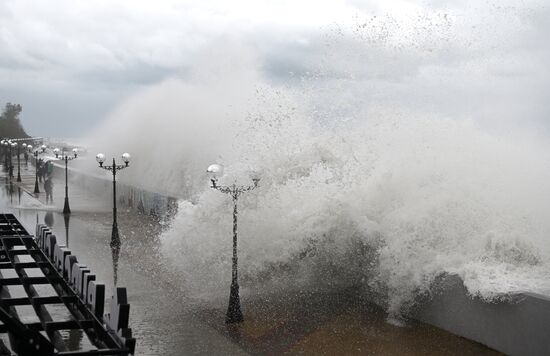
[23, 263]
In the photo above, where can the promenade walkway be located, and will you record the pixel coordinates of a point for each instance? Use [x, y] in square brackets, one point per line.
[80, 200]
[163, 321]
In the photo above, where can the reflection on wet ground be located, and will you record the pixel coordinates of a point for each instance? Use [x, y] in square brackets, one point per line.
[166, 322]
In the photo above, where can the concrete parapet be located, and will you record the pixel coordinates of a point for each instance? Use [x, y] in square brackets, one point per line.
[517, 325]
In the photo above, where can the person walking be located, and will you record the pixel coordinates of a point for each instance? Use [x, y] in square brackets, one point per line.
[48, 187]
[40, 165]
[44, 171]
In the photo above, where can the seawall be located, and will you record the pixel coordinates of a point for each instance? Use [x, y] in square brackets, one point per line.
[517, 325]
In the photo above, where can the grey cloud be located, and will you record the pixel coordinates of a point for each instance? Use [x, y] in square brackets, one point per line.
[451, 56]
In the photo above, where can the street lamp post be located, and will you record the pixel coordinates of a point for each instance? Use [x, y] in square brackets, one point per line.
[12, 147]
[36, 153]
[36, 189]
[234, 314]
[66, 158]
[18, 162]
[100, 158]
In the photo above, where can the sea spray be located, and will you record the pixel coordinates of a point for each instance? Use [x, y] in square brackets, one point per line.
[385, 205]
[398, 157]
[417, 198]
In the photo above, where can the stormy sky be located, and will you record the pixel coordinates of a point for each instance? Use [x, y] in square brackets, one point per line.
[70, 62]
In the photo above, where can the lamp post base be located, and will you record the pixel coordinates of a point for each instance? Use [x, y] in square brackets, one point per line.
[18, 177]
[115, 238]
[234, 314]
[36, 190]
[66, 208]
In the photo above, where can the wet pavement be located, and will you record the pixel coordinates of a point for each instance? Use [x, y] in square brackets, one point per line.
[314, 323]
[165, 322]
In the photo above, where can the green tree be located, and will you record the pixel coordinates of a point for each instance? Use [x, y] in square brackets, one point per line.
[10, 126]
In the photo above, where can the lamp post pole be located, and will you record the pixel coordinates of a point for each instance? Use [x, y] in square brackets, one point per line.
[115, 254]
[12, 146]
[36, 189]
[18, 163]
[66, 158]
[115, 238]
[234, 313]
[66, 208]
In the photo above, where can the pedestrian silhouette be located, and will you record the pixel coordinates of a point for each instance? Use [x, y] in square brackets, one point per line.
[48, 187]
[44, 170]
[40, 165]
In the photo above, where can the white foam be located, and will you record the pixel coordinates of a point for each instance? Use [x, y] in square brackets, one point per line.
[381, 180]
